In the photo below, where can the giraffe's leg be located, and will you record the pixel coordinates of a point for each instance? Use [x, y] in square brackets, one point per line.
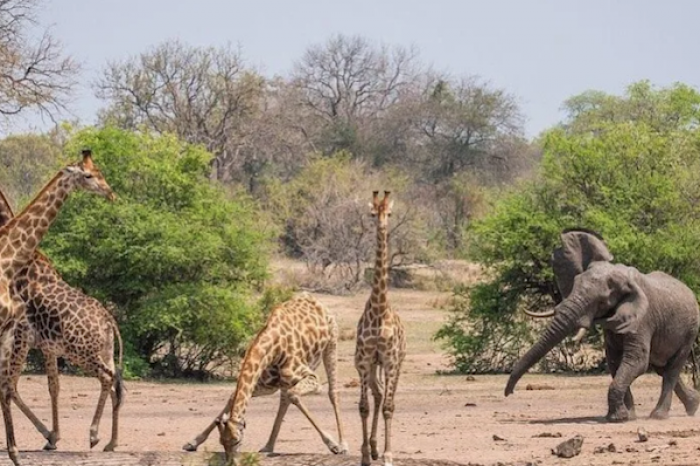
[54, 387]
[284, 404]
[364, 413]
[7, 387]
[375, 385]
[20, 351]
[391, 376]
[116, 393]
[105, 379]
[309, 384]
[330, 362]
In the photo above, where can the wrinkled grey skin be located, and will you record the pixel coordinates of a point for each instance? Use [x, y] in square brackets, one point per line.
[649, 320]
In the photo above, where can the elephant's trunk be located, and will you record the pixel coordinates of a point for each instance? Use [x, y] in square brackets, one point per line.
[558, 329]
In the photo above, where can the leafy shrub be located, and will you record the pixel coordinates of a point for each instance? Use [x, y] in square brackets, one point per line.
[179, 257]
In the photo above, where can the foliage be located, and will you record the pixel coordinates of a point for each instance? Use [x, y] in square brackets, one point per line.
[631, 178]
[379, 104]
[177, 256]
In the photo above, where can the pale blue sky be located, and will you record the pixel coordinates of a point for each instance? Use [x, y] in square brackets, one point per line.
[540, 51]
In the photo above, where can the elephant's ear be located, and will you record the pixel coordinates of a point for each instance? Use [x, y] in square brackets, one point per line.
[631, 309]
[580, 247]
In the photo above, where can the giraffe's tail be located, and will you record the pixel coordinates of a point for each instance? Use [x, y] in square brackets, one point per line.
[119, 388]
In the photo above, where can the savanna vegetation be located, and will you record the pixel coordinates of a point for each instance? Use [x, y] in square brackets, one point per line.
[218, 167]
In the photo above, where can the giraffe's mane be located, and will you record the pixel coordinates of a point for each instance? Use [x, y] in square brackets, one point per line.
[4, 200]
[41, 193]
[246, 358]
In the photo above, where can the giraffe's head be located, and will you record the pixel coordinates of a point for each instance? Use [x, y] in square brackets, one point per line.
[381, 208]
[87, 176]
[230, 434]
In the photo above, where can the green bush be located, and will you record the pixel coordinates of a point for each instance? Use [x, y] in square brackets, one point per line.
[628, 167]
[181, 259]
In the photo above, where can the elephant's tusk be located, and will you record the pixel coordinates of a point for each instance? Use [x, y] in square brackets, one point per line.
[538, 315]
[580, 335]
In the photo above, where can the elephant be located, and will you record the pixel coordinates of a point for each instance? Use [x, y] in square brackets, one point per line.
[648, 320]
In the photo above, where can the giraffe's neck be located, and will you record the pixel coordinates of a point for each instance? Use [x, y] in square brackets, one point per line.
[378, 298]
[260, 355]
[6, 212]
[25, 231]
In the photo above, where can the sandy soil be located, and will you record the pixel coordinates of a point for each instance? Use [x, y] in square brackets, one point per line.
[439, 417]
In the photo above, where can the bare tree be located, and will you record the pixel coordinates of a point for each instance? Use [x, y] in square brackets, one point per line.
[33, 75]
[204, 95]
[464, 122]
[348, 83]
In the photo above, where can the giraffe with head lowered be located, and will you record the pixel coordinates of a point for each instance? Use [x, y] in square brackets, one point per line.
[298, 336]
[62, 321]
[381, 343]
[19, 239]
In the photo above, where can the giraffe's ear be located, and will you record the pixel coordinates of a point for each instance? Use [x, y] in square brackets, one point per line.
[87, 158]
[390, 205]
[71, 169]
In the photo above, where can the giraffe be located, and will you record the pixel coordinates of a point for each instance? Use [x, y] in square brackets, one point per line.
[62, 321]
[381, 342]
[19, 239]
[298, 335]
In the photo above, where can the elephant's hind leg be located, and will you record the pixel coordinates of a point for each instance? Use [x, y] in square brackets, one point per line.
[688, 396]
[670, 379]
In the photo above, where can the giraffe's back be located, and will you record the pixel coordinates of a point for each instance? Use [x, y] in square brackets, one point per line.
[302, 328]
[64, 320]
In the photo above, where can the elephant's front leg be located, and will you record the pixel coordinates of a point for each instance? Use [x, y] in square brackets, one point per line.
[633, 364]
[613, 355]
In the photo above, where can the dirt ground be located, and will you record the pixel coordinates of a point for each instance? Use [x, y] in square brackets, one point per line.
[439, 417]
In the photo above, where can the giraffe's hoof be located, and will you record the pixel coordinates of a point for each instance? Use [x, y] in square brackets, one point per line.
[12, 452]
[109, 447]
[94, 441]
[189, 447]
[49, 446]
[338, 449]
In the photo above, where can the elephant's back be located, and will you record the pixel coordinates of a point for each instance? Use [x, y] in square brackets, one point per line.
[666, 285]
[673, 299]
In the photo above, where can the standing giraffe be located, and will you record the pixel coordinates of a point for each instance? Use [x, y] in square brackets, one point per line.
[381, 343]
[62, 321]
[298, 335]
[19, 239]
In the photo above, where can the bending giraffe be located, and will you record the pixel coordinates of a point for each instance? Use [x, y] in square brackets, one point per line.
[19, 239]
[381, 343]
[298, 335]
[63, 321]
